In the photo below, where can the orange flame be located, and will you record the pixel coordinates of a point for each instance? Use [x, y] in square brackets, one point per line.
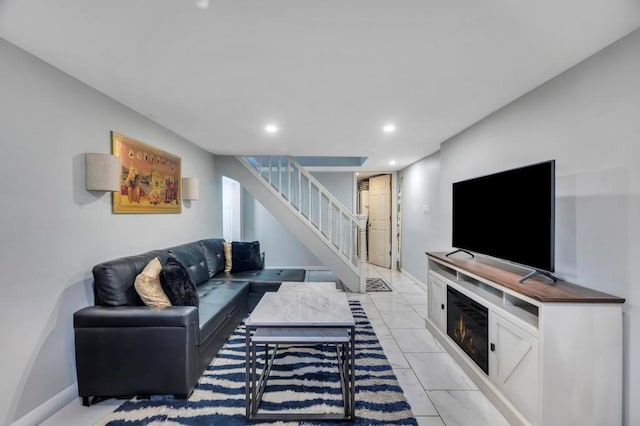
[461, 331]
[461, 334]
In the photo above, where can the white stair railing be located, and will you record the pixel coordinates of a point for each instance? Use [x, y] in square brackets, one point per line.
[315, 205]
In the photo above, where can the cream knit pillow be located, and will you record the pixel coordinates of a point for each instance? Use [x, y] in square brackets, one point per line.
[227, 257]
[148, 286]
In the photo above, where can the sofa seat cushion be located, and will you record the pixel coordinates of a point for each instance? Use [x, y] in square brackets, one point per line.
[204, 289]
[220, 302]
[272, 275]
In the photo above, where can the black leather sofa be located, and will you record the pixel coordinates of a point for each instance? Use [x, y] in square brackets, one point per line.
[125, 348]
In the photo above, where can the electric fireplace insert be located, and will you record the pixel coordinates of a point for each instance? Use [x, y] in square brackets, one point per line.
[468, 326]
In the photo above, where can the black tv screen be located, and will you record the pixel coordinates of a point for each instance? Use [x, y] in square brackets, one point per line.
[508, 215]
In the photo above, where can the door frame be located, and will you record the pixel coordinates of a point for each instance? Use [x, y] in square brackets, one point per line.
[394, 220]
[394, 207]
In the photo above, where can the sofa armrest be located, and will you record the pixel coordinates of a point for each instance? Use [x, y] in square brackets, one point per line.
[136, 350]
[135, 316]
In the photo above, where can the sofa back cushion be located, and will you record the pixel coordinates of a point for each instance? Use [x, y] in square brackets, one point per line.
[214, 254]
[113, 280]
[191, 256]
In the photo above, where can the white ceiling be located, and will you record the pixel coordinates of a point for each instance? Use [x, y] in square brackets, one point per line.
[329, 72]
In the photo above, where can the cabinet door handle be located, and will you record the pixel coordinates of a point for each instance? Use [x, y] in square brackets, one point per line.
[493, 347]
[442, 306]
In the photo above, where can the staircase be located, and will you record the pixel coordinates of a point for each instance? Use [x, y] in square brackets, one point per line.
[321, 222]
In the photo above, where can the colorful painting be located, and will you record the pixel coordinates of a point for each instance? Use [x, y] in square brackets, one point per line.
[149, 178]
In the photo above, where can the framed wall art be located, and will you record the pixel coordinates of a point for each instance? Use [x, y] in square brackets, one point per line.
[149, 178]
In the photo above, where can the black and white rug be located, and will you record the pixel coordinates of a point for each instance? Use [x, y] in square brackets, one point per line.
[303, 379]
[377, 284]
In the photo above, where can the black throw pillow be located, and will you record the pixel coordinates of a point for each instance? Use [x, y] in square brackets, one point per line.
[245, 256]
[177, 284]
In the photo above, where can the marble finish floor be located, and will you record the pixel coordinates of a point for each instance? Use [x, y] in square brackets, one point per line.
[439, 392]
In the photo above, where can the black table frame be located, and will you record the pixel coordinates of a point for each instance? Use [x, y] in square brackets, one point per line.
[255, 386]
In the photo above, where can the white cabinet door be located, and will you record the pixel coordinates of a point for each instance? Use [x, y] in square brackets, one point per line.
[513, 364]
[438, 303]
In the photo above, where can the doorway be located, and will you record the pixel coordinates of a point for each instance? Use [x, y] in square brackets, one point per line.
[380, 220]
[231, 210]
[375, 200]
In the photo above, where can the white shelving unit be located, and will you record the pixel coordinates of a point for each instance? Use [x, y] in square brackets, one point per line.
[556, 355]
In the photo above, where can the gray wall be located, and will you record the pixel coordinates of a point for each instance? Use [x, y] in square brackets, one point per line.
[340, 184]
[420, 187]
[54, 231]
[281, 247]
[588, 119]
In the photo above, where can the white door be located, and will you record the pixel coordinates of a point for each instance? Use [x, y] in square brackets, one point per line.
[437, 312]
[380, 221]
[513, 364]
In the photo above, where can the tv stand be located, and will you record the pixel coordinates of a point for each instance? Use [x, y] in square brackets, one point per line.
[460, 250]
[555, 351]
[536, 272]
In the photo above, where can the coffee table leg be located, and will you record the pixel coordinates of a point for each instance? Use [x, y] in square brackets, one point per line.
[254, 374]
[352, 406]
[247, 380]
[344, 377]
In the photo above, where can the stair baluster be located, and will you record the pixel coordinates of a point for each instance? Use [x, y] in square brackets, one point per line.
[334, 222]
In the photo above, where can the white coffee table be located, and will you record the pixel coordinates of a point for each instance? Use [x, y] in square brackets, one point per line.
[300, 318]
[307, 286]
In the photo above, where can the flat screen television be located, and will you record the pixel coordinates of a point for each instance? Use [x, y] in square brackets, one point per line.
[508, 215]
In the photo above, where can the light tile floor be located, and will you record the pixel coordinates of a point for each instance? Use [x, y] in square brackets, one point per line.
[439, 392]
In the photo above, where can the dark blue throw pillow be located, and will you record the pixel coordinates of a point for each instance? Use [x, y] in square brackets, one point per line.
[177, 284]
[245, 256]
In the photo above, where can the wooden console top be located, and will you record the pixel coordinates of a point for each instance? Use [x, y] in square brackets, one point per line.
[543, 291]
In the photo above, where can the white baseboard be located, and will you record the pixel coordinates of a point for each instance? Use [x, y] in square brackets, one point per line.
[49, 408]
[308, 268]
[417, 281]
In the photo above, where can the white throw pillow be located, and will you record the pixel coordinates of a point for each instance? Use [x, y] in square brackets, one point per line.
[148, 286]
[227, 257]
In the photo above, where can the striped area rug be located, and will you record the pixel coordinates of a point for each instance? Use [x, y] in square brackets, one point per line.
[302, 379]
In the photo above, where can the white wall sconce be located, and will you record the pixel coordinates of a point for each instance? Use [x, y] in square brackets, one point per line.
[190, 188]
[102, 172]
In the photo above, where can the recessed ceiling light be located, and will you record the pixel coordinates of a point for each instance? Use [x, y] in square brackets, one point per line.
[392, 162]
[202, 4]
[357, 174]
[271, 128]
[389, 128]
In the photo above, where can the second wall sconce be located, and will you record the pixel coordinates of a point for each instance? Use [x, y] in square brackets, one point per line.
[190, 188]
